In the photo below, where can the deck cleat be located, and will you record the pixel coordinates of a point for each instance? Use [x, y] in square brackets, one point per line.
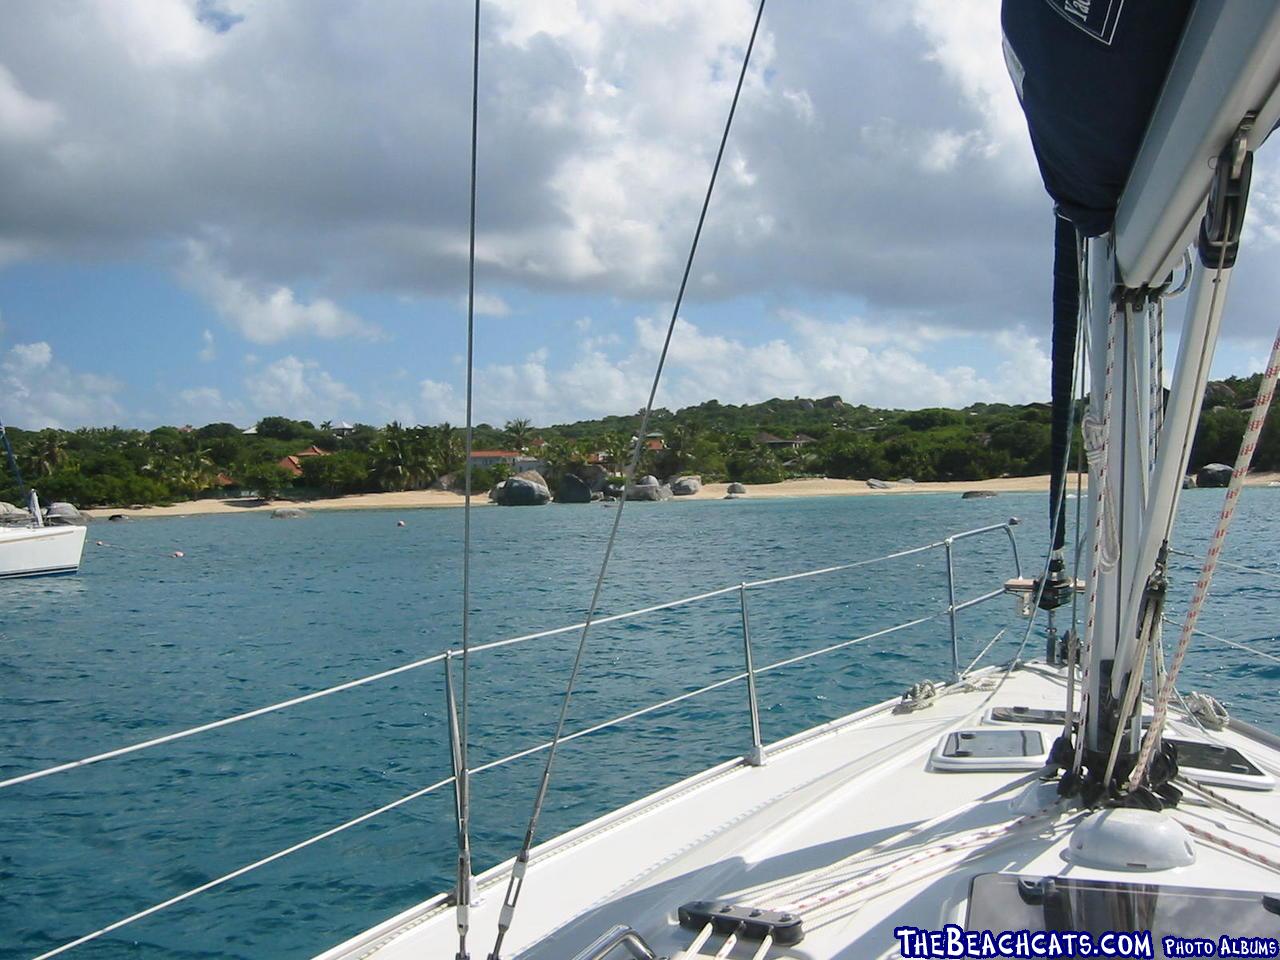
[749, 923]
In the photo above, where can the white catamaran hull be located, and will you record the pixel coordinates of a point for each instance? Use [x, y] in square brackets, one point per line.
[40, 551]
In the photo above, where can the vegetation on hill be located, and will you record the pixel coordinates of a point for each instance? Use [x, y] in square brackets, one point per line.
[825, 437]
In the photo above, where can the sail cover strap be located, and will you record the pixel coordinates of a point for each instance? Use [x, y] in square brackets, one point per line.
[1088, 73]
[1066, 317]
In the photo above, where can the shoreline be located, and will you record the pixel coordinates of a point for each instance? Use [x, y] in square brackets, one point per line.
[433, 499]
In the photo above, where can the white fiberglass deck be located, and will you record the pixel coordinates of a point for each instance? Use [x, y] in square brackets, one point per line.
[766, 836]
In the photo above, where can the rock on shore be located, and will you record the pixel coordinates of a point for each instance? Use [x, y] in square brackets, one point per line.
[573, 489]
[525, 489]
[686, 486]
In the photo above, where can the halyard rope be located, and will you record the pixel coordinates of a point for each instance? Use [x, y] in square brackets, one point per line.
[1248, 444]
[1098, 457]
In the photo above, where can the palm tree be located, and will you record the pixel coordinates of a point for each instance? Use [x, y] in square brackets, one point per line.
[617, 448]
[448, 448]
[50, 452]
[517, 432]
[388, 460]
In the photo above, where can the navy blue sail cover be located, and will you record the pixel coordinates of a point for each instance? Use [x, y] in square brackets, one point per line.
[1089, 73]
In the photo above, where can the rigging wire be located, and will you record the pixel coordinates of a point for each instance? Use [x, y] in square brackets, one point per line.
[1248, 444]
[522, 859]
[463, 778]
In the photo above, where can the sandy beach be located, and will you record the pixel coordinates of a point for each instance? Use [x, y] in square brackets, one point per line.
[417, 499]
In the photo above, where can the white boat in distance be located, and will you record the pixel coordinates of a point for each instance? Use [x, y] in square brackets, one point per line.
[33, 551]
[34, 548]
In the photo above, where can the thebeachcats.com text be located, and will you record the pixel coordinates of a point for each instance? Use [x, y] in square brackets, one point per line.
[953, 942]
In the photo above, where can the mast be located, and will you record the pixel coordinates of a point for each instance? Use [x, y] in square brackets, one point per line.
[1144, 117]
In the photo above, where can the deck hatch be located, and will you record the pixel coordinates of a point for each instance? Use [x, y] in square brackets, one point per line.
[990, 748]
[1214, 763]
[1027, 715]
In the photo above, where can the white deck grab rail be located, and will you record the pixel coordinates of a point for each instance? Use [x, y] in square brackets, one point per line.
[14, 781]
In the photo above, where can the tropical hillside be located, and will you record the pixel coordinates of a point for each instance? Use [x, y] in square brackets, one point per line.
[754, 443]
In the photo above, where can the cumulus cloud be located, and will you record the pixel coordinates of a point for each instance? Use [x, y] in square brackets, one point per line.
[487, 305]
[598, 126]
[40, 392]
[23, 118]
[297, 388]
[268, 315]
[876, 364]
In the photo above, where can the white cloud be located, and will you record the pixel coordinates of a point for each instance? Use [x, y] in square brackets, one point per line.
[271, 314]
[23, 117]
[439, 404]
[30, 356]
[599, 123]
[40, 392]
[487, 305]
[880, 364]
[208, 351]
[300, 389]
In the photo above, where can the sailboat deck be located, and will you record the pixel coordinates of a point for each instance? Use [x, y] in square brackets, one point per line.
[775, 837]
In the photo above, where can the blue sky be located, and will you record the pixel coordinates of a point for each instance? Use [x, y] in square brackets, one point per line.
[223, 209]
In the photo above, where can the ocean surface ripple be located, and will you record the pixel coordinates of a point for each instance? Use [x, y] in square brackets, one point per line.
[142, 643]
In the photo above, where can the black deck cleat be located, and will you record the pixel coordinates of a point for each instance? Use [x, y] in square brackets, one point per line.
[750, 923]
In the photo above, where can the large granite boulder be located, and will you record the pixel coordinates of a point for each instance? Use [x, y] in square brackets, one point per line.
[735, 491]
[875, 484]
[649, 491]
[573, 489]
[1213, 475]
[525, 489]
[686, 486]
[594, 476]
[287, 513]
[448, 482]
[977, 494]
[1219, 394]
[60, 513]
[648, 480]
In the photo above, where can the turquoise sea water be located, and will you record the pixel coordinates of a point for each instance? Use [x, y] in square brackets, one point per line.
[258, 610]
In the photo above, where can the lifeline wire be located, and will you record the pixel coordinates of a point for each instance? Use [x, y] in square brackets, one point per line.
[522, 860]
[502, 761]
[439, 657]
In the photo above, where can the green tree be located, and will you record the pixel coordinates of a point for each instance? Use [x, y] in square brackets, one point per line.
[338, 473]
[266, 479]
[282, 428]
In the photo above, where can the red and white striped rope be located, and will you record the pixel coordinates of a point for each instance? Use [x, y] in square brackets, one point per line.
[1248, 444]
[1099, 519]
[1249, 853]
